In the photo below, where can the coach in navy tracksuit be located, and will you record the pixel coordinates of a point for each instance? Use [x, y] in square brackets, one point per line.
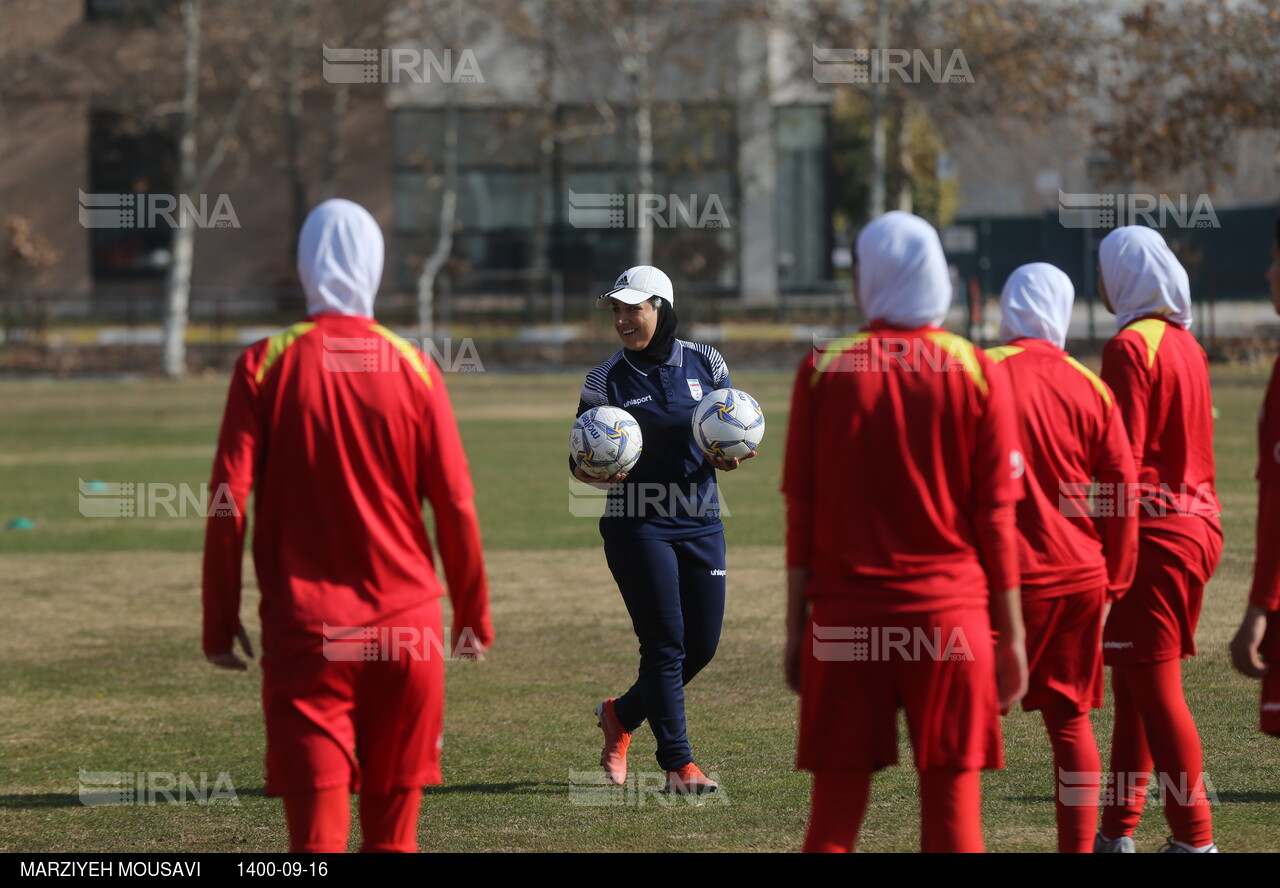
[662, 533]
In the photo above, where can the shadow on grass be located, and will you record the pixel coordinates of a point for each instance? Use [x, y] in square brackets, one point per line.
[1249, 797]
[38, 800]
[72, 800]
[41, 800]
[1224, 798]
[500, 788]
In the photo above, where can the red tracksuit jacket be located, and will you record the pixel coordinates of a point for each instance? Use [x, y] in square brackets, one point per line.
[1266, 570]
[1071, 432]
[341, 429]
[901, 472]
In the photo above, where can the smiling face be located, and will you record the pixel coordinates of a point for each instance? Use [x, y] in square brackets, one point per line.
[634, 324]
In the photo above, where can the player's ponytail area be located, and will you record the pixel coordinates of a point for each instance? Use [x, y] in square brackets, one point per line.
[117, 736]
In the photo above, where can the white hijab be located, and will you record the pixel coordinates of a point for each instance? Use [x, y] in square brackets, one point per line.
[902, 274]
[340, 255]
[1036, 302]
[1143, 277]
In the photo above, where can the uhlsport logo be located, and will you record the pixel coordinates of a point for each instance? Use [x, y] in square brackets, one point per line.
[149, 210]
[1106, 210]
[885, 65]
[399, 65]
[645, 210]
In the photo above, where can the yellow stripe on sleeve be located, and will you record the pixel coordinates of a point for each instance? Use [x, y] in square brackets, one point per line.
[407, 351]
[1001, 352]
[834, 350]
[1089, 375]
[965, 352]
[277, 344]
[1152, 331]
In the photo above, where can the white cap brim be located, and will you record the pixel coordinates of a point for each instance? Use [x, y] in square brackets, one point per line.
[627, 295]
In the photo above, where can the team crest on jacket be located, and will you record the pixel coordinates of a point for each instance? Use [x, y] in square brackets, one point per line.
[695, 388]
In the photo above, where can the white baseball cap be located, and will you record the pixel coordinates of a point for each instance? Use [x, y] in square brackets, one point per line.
[639, 284]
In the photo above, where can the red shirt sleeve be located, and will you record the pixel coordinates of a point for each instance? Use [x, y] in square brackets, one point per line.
[999, 470]
[234, 465]
[1118, 526]
[1124, 369]
[798, 468]
[445, 481]
[1266, 568]
[1265, 592]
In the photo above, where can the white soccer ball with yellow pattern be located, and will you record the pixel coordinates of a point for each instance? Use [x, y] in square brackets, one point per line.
[728, 423]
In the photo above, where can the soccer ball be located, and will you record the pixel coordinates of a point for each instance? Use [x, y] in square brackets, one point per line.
[728, 423]
[605, 441]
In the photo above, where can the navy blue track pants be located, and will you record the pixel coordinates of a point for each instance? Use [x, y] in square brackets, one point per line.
[674, 591]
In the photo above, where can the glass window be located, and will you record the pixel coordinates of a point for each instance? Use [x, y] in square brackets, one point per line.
[802, 222]
[126, 166]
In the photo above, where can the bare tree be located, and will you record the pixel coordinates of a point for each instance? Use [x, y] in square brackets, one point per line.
[1027, 64]
[1186, 79]
[193, 174]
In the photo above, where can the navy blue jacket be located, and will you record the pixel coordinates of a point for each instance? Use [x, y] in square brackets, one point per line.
[671, 493]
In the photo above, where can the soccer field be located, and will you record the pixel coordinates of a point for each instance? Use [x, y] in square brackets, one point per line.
[102, 668]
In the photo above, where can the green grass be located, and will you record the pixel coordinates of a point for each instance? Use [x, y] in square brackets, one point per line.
[102, 670]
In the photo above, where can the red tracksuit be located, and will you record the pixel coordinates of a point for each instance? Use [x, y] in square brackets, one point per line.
[901, 458]
[1160, 377]
[341, 429]
[1071, 433]
[1266, 572]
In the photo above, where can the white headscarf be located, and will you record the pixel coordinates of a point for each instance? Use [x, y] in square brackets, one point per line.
[1143, 277]
[902, 274]
[1036, 302]
[340, 255]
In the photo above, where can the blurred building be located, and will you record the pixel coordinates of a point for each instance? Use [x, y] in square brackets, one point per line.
[739, 200]
[550, 156]
[90, 91]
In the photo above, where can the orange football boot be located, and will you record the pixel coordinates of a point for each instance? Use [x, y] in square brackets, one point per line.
[614, 755]
[689, 780]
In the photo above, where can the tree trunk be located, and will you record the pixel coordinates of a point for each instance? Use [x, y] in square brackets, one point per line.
[644, 179]
[906, 163]
[448, 210]
[337, 147]
[539, 254]
[643, 84]
[178, 279]
[293, 110]
[876, 202]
